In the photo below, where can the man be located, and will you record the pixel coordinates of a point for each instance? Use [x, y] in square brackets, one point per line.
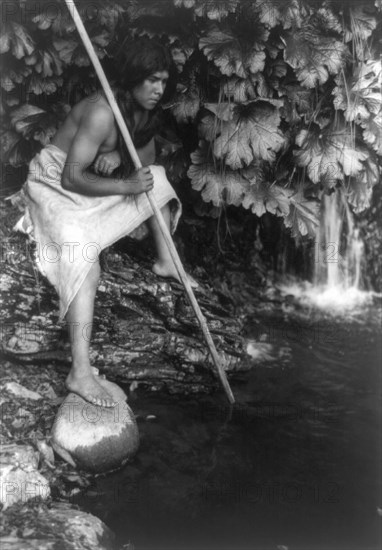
[74, 209]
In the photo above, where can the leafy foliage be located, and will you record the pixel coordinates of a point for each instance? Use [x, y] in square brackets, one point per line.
[303, 215]
[186, 106]
[372, 133]
[230, 55]
[218, 183]
[329, 155]
[313, 56]
[277, 102]
[251, 131]
[359, 94]
[16, 39]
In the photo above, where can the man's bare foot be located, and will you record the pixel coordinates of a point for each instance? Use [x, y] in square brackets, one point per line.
[89, 389]
[119, 395]
[168, 270]
[95, 372]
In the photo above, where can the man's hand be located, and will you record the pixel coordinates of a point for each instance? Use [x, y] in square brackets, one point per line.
[140, 181]
[106, 163]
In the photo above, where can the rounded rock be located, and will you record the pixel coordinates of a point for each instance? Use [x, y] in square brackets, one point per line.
[92, 438]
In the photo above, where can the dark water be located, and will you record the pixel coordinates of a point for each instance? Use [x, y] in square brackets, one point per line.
[296, 464]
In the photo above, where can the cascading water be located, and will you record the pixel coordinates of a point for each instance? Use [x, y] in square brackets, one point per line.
[338, 259]
[339, 248]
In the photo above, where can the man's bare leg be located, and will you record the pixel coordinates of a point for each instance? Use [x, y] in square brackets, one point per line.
[164, 266]
[81, 378]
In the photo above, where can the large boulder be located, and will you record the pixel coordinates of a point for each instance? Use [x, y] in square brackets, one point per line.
[92, 438]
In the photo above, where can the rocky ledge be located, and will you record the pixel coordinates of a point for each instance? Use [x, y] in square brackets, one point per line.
[144, 331]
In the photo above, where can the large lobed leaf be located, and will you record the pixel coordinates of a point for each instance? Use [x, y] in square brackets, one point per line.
[186, 106]
[359, 95]
[329, 154]
[70, 50]
[38, 85]
[289, 13]
[45, 62]
[252, 132]
[16, 39]
[372, 133]
[325, 19]
[217, 184]
[298, 102]
[269, 11]
[362, 24]
[313, 55]
[57, 17]
[359, 190]
[180, 55]
[239, 89]
[294, 13]
[303, 217]
[105, 12]
[263, 197]
[10, 76]
[34, 123]
[184, 3]
[259, 85]
[230, 55]
[216, 10]
[248, 187]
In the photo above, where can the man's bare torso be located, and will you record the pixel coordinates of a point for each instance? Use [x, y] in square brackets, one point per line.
[90, 106]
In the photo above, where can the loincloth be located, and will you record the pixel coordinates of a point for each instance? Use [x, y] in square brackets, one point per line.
[70, 229]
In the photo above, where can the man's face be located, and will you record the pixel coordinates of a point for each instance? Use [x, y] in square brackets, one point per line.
[151, 90]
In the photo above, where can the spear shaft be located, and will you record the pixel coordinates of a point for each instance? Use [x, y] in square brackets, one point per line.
[157, 213]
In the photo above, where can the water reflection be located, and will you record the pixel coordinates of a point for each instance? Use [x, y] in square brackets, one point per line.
[295, 464]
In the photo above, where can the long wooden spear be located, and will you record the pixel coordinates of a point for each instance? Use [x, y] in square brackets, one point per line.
[158, 214]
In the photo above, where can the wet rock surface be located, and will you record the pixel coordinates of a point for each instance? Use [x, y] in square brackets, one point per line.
[58, 526]
[144, 331]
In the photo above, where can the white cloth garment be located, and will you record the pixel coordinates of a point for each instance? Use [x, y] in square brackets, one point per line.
[70, 229]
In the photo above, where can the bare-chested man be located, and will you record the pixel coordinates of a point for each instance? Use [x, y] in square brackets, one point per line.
[87, 202]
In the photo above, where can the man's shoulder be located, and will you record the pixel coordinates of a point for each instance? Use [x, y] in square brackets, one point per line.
[95, 108]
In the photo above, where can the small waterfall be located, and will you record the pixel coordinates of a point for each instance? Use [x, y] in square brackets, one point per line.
[338, 249]
[338, 258]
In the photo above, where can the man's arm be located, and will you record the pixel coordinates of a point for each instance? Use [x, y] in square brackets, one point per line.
[92, 133]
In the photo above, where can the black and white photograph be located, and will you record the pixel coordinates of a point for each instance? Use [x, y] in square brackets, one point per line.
[190, 274]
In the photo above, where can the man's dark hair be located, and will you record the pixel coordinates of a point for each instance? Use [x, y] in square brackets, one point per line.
[140, 59]
[136, 61]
